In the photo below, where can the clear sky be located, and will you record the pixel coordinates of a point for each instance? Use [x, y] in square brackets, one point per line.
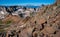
[26, 2]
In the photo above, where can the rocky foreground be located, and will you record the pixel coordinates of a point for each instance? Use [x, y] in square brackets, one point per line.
[45, 23]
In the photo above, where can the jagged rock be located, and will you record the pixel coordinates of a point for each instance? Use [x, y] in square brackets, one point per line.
[2, 34]
[27, 32]
[50, 29]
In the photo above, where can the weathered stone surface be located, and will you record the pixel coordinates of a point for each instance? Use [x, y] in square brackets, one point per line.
[26, 32]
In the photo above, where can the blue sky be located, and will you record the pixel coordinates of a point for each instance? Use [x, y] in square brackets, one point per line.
[26, 2]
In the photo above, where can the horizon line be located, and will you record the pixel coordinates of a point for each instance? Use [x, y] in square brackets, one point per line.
[29, 4]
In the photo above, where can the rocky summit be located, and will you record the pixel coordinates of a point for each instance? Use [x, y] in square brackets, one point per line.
[30, 22]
